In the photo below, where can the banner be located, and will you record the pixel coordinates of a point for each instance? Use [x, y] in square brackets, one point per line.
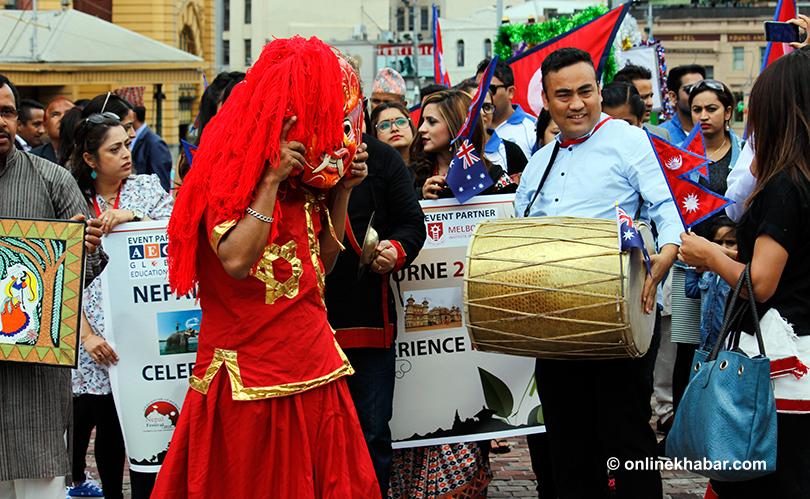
[480, 396]
[155, 336]
[445, 391]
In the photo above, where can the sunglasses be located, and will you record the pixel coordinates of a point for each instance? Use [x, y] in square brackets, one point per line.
[385, 126]
[99, 118]
[488, 108]
[713, 84]
[494, 88]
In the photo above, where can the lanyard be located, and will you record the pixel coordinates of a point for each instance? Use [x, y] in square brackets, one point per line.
[98, 209]
[557, 147]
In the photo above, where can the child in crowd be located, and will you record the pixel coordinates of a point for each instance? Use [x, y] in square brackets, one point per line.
[709, 287]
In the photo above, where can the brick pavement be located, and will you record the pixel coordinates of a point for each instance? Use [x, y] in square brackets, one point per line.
[513, 476]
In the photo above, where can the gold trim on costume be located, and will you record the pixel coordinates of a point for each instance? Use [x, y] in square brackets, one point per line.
[218, 232]
[311, 205]
[263, 271]
[241, 392]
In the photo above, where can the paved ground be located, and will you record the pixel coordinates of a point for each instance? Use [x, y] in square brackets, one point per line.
[513, 476]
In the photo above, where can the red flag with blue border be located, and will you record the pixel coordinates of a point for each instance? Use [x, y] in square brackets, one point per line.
[695, 202]
[594, 37]
[440, 75]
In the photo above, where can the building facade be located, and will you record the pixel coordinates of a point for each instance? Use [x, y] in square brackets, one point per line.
[172, 89]
[421, 315]
[728, 40]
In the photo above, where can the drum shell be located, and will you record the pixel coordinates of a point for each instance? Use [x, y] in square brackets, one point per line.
[556, 288]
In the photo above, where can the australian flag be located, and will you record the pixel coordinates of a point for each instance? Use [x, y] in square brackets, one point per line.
[629, 236]
[468, 176]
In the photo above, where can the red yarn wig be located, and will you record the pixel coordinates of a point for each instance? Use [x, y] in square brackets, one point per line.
[293, 77]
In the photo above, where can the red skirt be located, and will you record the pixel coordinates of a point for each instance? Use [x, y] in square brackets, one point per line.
[304, 446]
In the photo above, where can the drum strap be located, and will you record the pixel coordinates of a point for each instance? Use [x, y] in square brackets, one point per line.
[545, 176]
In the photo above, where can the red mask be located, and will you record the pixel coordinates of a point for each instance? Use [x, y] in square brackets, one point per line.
[324, 170]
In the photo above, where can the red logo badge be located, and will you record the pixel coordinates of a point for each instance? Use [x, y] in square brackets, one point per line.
[435, 230]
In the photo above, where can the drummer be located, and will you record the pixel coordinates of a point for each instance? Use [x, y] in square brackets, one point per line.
[597, 409]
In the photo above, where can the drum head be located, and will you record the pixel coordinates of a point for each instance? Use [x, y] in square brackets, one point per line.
[641, 325]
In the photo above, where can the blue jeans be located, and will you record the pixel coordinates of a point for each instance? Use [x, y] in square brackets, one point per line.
[372, 389]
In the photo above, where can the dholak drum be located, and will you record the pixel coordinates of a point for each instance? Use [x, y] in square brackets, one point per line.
[556, 288]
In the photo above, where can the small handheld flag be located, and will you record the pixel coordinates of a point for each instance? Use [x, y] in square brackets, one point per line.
[695, 203]
[629, 236]
[468, 176]
[440, 75]
[695, 143]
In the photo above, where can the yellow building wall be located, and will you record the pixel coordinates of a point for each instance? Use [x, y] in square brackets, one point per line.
[164, 21]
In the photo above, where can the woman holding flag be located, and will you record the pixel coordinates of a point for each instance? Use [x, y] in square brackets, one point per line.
[772, 237]
[433, 151]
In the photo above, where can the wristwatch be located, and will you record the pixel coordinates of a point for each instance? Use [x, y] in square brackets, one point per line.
[137, 215]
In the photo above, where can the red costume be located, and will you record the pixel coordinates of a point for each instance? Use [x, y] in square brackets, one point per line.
[267, 414]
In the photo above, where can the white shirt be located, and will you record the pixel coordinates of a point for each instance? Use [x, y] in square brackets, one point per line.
[741, 183]
[616, 163]
[23, 143]
[519, 128]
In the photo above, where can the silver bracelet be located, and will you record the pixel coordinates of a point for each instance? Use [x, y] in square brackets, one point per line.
[251, 211]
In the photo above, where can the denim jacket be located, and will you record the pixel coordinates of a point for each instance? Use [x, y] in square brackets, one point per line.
[713, 293]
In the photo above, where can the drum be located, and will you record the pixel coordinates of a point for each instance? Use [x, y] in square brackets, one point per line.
[556, 288]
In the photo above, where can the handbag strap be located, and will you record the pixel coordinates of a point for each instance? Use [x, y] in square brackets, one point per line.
[545, 176]
[754, 315]
[735, 311]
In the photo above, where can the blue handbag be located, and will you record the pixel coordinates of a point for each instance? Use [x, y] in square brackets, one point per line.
[725, 425]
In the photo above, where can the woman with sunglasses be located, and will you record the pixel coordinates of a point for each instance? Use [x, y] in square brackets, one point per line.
[102, 166]
[391, 123]
[115, 104]
[501, 152]
[432, 152]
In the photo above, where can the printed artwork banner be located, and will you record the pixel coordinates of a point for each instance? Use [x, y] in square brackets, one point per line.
[446, 392]
[155, 336]
[41, 282]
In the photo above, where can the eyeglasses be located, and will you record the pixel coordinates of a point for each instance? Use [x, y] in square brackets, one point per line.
[713, 84]
[99, 118]
[385, 126]
[9, 114]
[488, 107]
[494, 88]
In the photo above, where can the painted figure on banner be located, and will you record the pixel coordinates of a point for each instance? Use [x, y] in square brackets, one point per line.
[20, 303]
[32, 274]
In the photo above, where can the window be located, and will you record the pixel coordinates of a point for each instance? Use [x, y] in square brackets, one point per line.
[761, 55]
[488, 48]
[411, 20]
[425, 19]
[187, 43]
[248, 59]
[226, 14]
[709, 72]
[226, 52]
[248, 11]
[739, 58]
[400, 19]
[460, 53]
